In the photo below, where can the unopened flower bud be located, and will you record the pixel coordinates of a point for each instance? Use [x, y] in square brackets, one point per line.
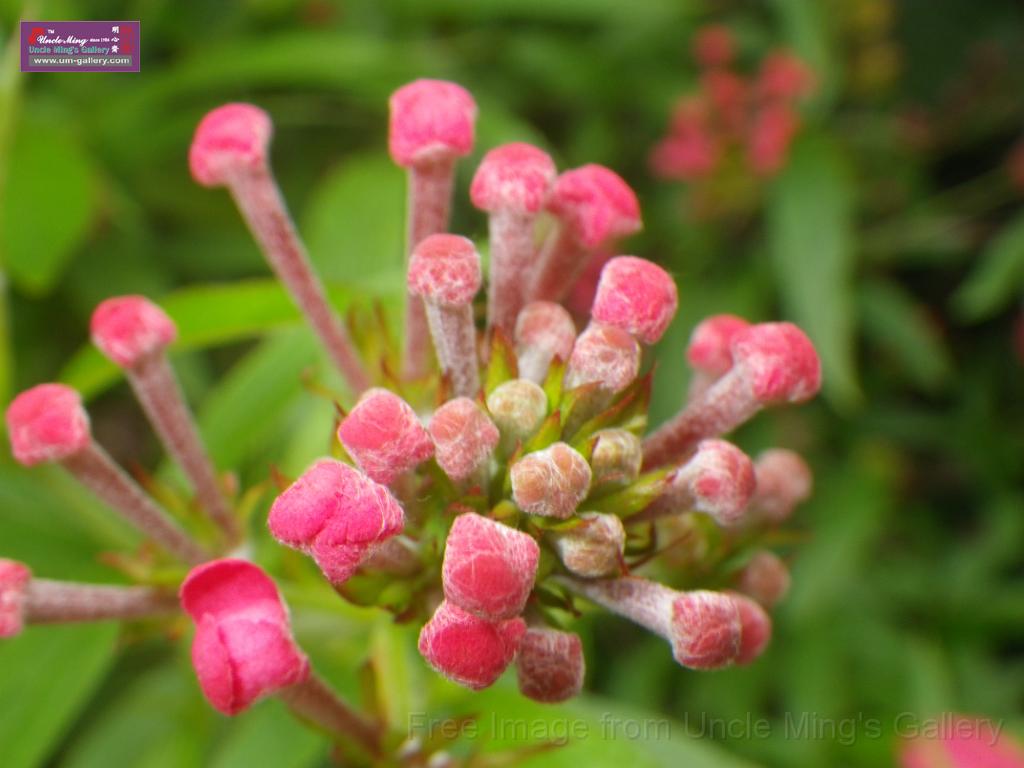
[765, 578]
[594, 548]
[709, 352]
[14, 578]
[551, 482]
[755, 631]
[128, 329]
[784, 76]
[518, 408]
[605, 355]
[489, 568]
[636, 296]
[783, 481]
[468, 650]
[384, 436]
[550, 665]
[430, 120]
[464, 438]
[615, 457]
[231, 139]
[544, 331]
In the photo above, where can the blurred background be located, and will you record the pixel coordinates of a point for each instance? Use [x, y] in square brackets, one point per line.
[880, 209]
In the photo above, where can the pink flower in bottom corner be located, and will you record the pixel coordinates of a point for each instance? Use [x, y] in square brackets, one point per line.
[962, 741]
[243, 647]
[14, 577]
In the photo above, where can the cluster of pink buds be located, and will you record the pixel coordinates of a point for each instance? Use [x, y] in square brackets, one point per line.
[733, 119]
[499, 482]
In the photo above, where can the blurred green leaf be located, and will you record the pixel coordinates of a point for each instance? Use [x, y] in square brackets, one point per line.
[998, 277]
[806, 25]
[269, 735]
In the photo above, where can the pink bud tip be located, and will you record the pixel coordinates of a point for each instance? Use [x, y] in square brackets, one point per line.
[430, 120]
[596, 204]
[464, 437]
[765, 578]
[960, 741]
[784, 76]
[547, 326]
[445, 269]
[710, 348]
[783, 481]
[489, 567]
[243, 647]
[337, 515]
[129, 328]
[229, 139]
[721, 479]
[705, 629]
[551, 482]
[47, 423]
[604, 354]
[780, 362]
[637, 296]
[755, 629]
[594, 548]
[515, 177]
[714, 46]
[468, 650]
[14, 577]
[550, 665]
[384, 436]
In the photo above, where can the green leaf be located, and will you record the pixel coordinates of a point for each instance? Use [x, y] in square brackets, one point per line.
[810, 232]
[806, 27]
[47, 676]
[269, 735]
[998, 279]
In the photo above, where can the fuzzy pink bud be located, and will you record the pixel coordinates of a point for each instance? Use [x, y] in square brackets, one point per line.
[489, 568]
[468, 650]
[550, 665]
[594, 548]
[616, 456]
[47, 423]
[596, 204]
[710, 347]
[714, 46]
[755, 628]
[718, 480]
[514, 177]
[243, 647]
[336, 515]
[14, 578]
[765, 578]
[544, 331]
[129, 328]
[637, 296]
[518, 408]
[783, 481]
[430, 120]
[551, 482]
[464, 438]
[230, 139]
[961, 741]
[384, 436]
[606, 355]
[445, 269]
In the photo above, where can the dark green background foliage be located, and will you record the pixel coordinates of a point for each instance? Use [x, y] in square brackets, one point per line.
[893, 236]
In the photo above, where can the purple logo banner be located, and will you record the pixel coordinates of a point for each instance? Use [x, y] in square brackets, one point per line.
[80, 46]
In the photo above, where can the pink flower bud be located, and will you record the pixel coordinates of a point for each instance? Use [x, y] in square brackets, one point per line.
[773, 130]
[229, 139]
[784, 76]
[550, 665]
[47, 423]
[129, 328]
[637, 296]
[710, 347]
[384, 436]
[544, 331]
[489, 568]
[518, 408]
[718, 481]
[464, 438]
[729, 96]
[714, 46]
[551, 482]
[468, 650]
[513, 177]
[603, 354]
[594, 548]
[336, 515]
[779, 362]
[962, 741]
[755, 631]
[243, 647]
[783, 481]
[616, 456]
[14, 578]
[445, 269]
[691, 151]
[595, 204]
[430, 120]
[765, 578]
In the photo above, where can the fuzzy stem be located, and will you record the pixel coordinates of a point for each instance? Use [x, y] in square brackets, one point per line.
[643, 602]
[534, 362]
[314, 700]
[429, 209]
[512, 253]
[455, 342]
[94, 468]
[157, 389]
[264, 210]
[50, 602]
[560, 263]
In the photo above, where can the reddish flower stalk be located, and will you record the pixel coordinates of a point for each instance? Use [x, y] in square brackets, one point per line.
[230, 149]
[432, 124]
[550, 667]
[134, 333]
[544, 331]
[315, 701]
[48, 424]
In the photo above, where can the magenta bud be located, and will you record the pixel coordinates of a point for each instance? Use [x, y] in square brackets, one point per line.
[544, 331]
[384, 436]
[14, 579]
[595, 204]
[636, 296]
[518, 408]
[430, 120]
[710, 347]
[606, 355]
[783, 481]
[615, 457]
[550, 665]
[755, 628]
[128, 329]
[489, 568]
[594, 548]
[445, 269]
[468, 650]
[47, 423]
[336, 515]
[514, 177]
[552, 482]
[718, 481]
[765, 578]
[243, 647]
[464, 438]
[779, 362]
[229, 139]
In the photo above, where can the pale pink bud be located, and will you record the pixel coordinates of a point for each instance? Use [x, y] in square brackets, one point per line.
[594, 548]
[489, 568]
[430, 120]
[773, 130]
[336, 515]
[551, 482]
[755, 631]
[765, 578]
[784, 76]
[691, 151]
[596, 204]
[464, 438]
[47, 423]
[962, 741]
[783, 481]
[606, 355]
[513, 177]
[129, 328]
[518, 408]
[637, 296]
[229, 139]
[616, 456]
[384, 436]
[468, 650]
[14, 578]
[714, 46]
[243, 647]
[550, 665]
[544, 331]
[445, 269]
[718, 480]
[710, 347]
